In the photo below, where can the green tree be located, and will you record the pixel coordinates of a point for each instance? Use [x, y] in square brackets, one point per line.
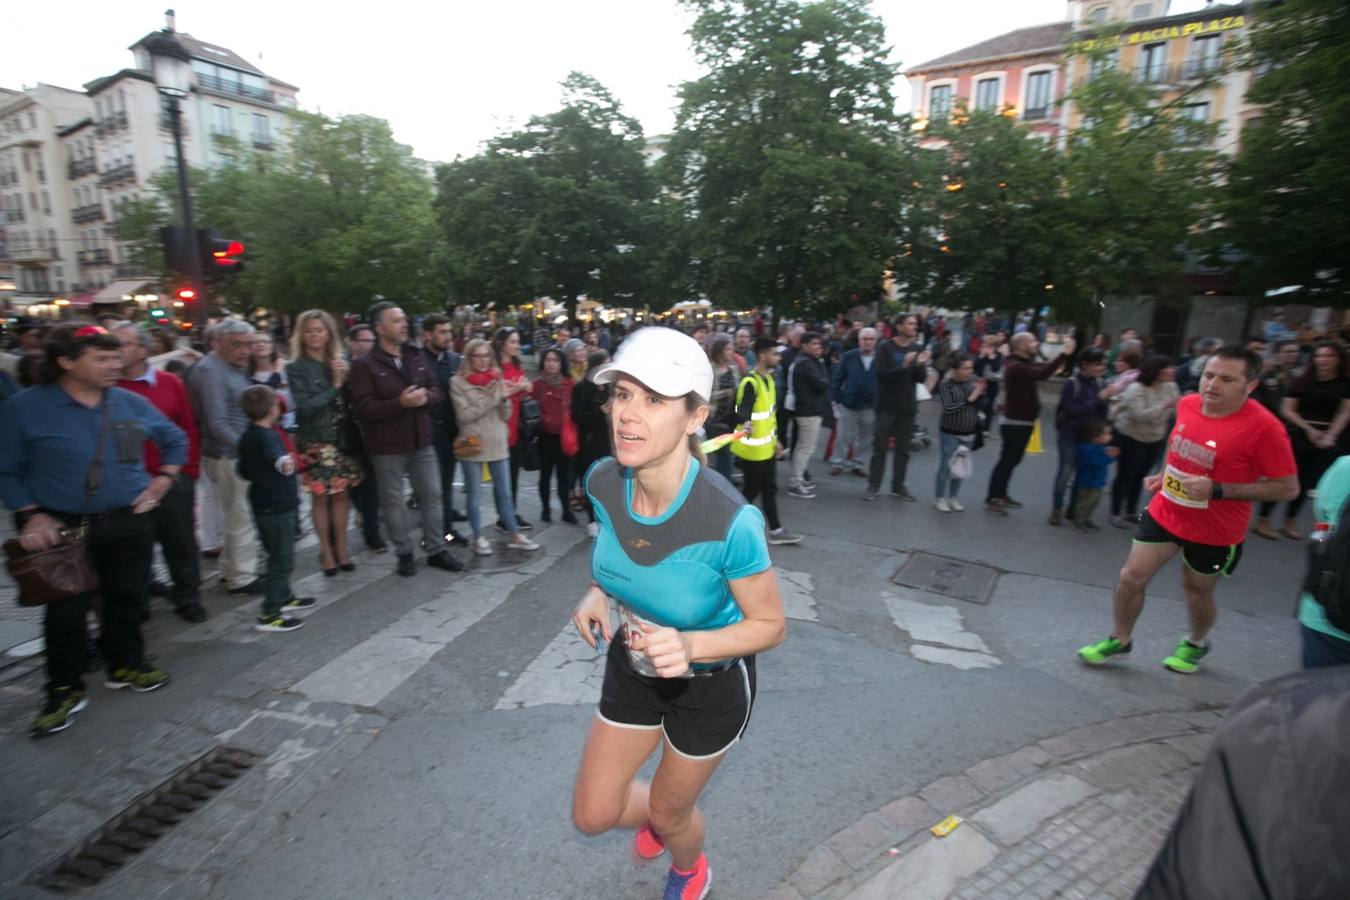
[1138, 186]
[984, 229]
[1285, 210]
[563, 207]
[787, 153]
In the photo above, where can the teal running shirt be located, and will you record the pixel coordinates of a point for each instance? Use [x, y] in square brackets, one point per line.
[674, 569]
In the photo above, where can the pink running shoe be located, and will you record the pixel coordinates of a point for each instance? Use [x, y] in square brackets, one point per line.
[691, 885]
[647, 844]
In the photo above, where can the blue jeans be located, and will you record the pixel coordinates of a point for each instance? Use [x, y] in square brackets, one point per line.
[947, 486]
[1320, 650]
[1068, 468]
[500, 470]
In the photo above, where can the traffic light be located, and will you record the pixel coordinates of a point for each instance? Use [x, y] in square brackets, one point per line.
[185, 295]
[220, 256]
[177, 257]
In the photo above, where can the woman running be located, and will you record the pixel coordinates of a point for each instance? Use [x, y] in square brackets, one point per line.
[686, 561]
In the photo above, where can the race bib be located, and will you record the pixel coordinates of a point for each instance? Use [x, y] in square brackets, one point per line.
[1172, 490]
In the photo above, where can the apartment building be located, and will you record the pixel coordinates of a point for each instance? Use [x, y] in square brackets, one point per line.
[71, 160]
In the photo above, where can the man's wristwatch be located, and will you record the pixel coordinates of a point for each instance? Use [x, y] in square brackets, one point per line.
[1216, 491]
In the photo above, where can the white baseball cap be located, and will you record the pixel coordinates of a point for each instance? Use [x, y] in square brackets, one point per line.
[666, 361]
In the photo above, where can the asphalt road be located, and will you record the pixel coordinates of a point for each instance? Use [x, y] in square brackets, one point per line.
[420, 735]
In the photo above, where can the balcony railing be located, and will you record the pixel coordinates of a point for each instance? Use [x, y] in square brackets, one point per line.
[118, 174]
[223, 133]
[111, 123]
[234, 89]
[262, 143]
[94, 257]
[81, 167]
[32, 254]
[166, 123]
[14, 215]
[1189, 71]
[91, 213]
[1033, 115]
[126, 270]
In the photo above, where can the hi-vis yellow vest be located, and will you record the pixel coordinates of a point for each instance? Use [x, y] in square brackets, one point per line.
[763, 439]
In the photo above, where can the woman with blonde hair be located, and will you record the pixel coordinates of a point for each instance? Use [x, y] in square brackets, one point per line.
[482, 408]
[318, 378]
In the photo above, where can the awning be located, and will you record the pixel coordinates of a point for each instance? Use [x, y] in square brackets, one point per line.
[114, 292]
[84, 299]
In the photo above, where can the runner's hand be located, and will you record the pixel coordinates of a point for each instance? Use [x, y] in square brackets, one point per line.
[1197, 487]
[669, 650]
[1153, 483]
[593, 608]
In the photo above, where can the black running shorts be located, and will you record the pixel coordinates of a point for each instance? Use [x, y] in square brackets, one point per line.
[701, 716]
[1204, 559]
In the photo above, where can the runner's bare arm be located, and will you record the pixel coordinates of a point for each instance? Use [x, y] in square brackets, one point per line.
[1272, 490]
[763, 628]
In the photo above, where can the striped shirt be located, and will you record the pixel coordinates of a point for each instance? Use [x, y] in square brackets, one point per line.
[958, 415]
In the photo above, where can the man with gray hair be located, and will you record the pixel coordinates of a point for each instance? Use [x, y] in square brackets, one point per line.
[215, 386]
[853, 388]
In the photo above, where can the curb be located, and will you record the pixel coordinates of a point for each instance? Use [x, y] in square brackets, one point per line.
[852, 856]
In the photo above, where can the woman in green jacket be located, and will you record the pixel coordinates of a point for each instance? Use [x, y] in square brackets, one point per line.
[316, 378]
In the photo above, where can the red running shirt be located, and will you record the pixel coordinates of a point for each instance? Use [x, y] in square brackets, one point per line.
[1250, 445]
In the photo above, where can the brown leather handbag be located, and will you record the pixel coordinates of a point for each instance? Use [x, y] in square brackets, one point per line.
[63, 571]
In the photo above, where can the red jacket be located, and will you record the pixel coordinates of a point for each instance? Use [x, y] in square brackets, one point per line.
[554, 404]
[169, 397]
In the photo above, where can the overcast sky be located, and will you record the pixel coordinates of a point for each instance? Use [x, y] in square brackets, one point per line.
[451, 75]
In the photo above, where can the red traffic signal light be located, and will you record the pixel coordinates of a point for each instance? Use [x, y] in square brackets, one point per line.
[186, 294]
[219, 255]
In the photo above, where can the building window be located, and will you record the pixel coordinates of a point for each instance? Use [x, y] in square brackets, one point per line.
[1204, 57]
[262, 131]
[1103, 63]
[1036, 103]
[940, 102]
[986, 93]
[1142, 11]
[1153, 63]
[1193, 112]
[1097, 16]
[223, 124]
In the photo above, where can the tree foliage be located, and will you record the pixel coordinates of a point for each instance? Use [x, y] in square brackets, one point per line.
[564, 207]
[787, 153]
[1286, 210]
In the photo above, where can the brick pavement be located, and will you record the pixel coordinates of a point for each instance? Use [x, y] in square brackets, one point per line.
[1075, 815]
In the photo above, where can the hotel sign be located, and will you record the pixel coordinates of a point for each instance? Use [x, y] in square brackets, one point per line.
[1164, 33]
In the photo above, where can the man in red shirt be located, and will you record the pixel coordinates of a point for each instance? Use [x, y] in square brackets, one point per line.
[1225, 451]
[174, 529]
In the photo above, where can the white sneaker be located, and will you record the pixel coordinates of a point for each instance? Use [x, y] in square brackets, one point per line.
[592, 529]
[482, 547]
[954, 506]
[519, 541]
[943, 505]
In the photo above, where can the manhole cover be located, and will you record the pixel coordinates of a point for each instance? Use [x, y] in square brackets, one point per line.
[134, 829]
[950, 577]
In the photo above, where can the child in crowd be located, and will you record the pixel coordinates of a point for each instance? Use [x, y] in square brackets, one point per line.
[1095, 455]
[273, 495]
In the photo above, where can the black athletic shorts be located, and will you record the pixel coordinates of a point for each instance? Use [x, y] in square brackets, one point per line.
[1205, 559]
[701, 716]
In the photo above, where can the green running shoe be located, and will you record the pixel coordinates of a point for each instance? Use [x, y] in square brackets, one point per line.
[1186, 658]
[1096, 654]
[140, 678]
[59, 711]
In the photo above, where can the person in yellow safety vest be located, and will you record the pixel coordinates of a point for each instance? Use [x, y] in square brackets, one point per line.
[757, 453]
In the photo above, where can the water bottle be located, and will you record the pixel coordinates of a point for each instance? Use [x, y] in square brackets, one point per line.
[1321, 532]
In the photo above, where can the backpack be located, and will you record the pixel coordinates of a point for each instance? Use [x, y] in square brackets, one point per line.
[1328, 579]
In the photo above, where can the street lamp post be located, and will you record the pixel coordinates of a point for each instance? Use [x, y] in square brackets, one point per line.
[171, 66]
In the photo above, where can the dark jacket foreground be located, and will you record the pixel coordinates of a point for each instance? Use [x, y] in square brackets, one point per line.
[375, 383]
[1269, 814]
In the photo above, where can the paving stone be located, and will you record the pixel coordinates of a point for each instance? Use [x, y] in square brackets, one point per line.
[908, 814]
[783, 892]
[1208, 719]
[158, 764]
[66, 823]
[1194, 746]
[1118, 769]
[112, 792]
[933, 869]
[860, 842]
[993, 775]
[1155, 725]
[950, 794]
[1021, 812]
[1029, 759]
[821, 868]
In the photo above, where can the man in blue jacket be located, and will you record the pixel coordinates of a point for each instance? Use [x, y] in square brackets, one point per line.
[854, 391]
[1082, 399]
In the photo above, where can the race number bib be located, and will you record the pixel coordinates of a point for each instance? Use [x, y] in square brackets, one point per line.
[1172, 490]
